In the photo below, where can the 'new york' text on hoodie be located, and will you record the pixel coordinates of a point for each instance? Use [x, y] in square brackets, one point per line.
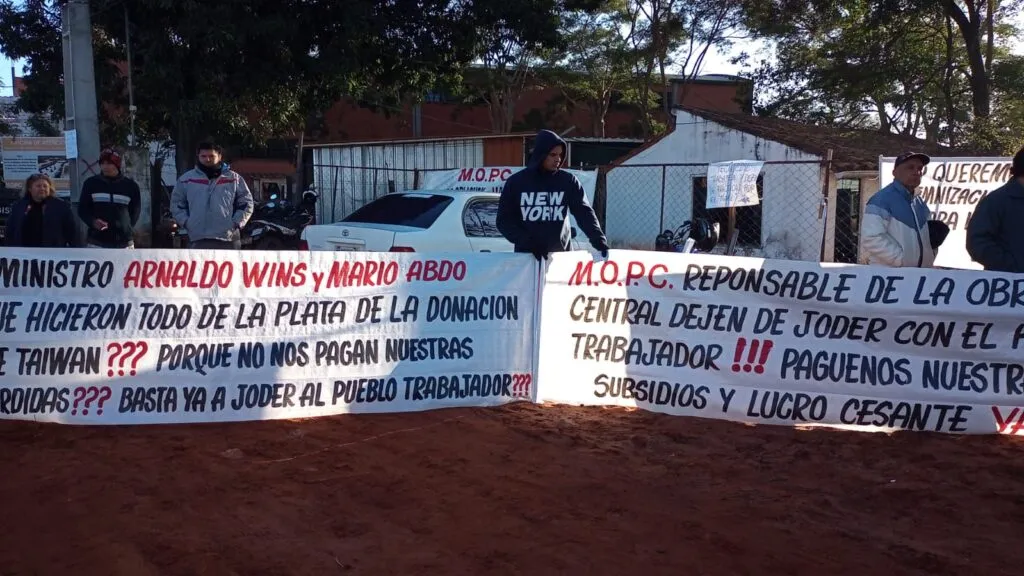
[533, 213]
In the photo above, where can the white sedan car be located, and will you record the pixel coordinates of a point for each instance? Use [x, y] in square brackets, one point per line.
[419, 221]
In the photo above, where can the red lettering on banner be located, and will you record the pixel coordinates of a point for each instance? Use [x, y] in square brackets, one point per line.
[609, 274]
[436, 271]
[274, 274]
[178, 274]
[370, 273]
[1012, 424]
[465, 174]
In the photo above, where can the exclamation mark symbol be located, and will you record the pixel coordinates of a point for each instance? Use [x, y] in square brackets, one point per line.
[740, 345]
[754, 344]
[765, 350]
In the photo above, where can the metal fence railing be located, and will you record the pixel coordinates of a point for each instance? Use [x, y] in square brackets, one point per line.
[804, 212]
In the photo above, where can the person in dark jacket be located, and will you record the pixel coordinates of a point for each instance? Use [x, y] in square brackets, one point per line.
[41, 219]
[110, 205]
[533, 212]
[995, 234]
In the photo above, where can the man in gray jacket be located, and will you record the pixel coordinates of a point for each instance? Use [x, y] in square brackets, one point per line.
[211, 202]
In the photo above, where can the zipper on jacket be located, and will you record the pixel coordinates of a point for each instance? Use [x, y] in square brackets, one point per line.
[917, 232]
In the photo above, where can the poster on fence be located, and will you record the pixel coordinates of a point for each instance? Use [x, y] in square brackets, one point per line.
[23, 157]
[492, 178]
[163, 336]
[952, 188]
[733, 183]
[785, 342]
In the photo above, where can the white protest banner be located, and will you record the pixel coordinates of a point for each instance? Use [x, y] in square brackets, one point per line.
[23, 157]
[785, 342]
[165, 336]
[952, 188]
[492, 178]
[733, 183]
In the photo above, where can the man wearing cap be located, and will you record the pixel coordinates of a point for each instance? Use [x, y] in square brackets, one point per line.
[995, 234]
[110, 205]
[894, 231]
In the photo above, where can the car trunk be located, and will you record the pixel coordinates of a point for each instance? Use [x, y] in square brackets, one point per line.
[353, 237]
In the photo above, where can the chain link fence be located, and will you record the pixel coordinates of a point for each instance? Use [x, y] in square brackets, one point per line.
[805, 212]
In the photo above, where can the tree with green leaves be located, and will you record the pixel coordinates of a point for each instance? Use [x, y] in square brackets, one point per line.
[245, 72]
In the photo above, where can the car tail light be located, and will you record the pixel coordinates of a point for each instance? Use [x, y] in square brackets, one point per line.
[303, 245]
[401, 249]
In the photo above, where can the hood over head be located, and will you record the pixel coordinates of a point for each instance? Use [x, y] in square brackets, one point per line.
[546, 140]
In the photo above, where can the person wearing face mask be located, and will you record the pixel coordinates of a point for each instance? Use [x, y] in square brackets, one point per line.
[212, 202]
[41, 219]
[110, 205]
[895, 228]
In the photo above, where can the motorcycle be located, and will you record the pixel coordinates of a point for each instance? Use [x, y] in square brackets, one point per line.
[694, 237]
[277, 225]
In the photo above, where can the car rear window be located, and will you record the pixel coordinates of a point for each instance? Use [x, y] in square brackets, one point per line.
[414, 210]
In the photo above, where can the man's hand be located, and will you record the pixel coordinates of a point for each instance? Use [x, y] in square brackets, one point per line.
[540, 255]
[601, 256]
[99, 224]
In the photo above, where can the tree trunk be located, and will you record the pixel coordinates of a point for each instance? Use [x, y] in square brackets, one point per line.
[970, 29]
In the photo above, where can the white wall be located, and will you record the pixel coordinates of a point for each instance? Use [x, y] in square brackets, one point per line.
[790, 226]
[349, 176]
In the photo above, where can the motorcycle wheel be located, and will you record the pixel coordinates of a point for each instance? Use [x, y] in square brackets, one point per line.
[269, 243]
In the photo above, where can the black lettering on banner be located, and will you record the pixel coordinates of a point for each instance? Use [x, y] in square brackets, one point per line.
[996, 292]
[59, 360]
[156, 316]
[977, 377]
[36, 273]
[219, 399]
[844, 368]
[727, 395]
[806, 286]
[824, 326]
[76, 317]
[656, 393]
[251, 355]
[289, 354]
[940, 295]
[213, 316]
[592, 309]
[419, 349]
[195, 398]
[8, 316]
[770, 321]
[310, 312]
[312, 395]
[925, 334]
[792, 406]
[964, 173]
[249, 396]
[364, 391]
[976, 336]
[3, 360]
[354, 352]
[915, 416]
[649, 352]
[1018, 335]
[197, 358]
[29, 401]
[148, 399]
[253, 317]
[708, 317]
[458, 309]
[456, 387]
[882, 289]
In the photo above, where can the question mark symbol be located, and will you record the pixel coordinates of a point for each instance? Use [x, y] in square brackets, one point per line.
[105, 395]
[79, 395]
[112, 356]
[143, 348]
[91, 393]
[129, 349]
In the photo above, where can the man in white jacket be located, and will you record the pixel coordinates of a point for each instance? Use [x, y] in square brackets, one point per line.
[894, 230]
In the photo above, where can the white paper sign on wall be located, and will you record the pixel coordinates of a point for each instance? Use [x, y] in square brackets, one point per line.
[733, 183]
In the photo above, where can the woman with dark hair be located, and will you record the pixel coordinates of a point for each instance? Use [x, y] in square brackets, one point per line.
[41, 219]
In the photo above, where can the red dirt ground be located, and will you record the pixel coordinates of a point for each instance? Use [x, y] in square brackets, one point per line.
[519, 490]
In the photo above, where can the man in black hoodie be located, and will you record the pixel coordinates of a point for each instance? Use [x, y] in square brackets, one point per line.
[110, 205]
[532, 212]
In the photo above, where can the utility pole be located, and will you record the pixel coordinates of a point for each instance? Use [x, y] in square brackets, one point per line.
[131, 97]
[80, 112]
